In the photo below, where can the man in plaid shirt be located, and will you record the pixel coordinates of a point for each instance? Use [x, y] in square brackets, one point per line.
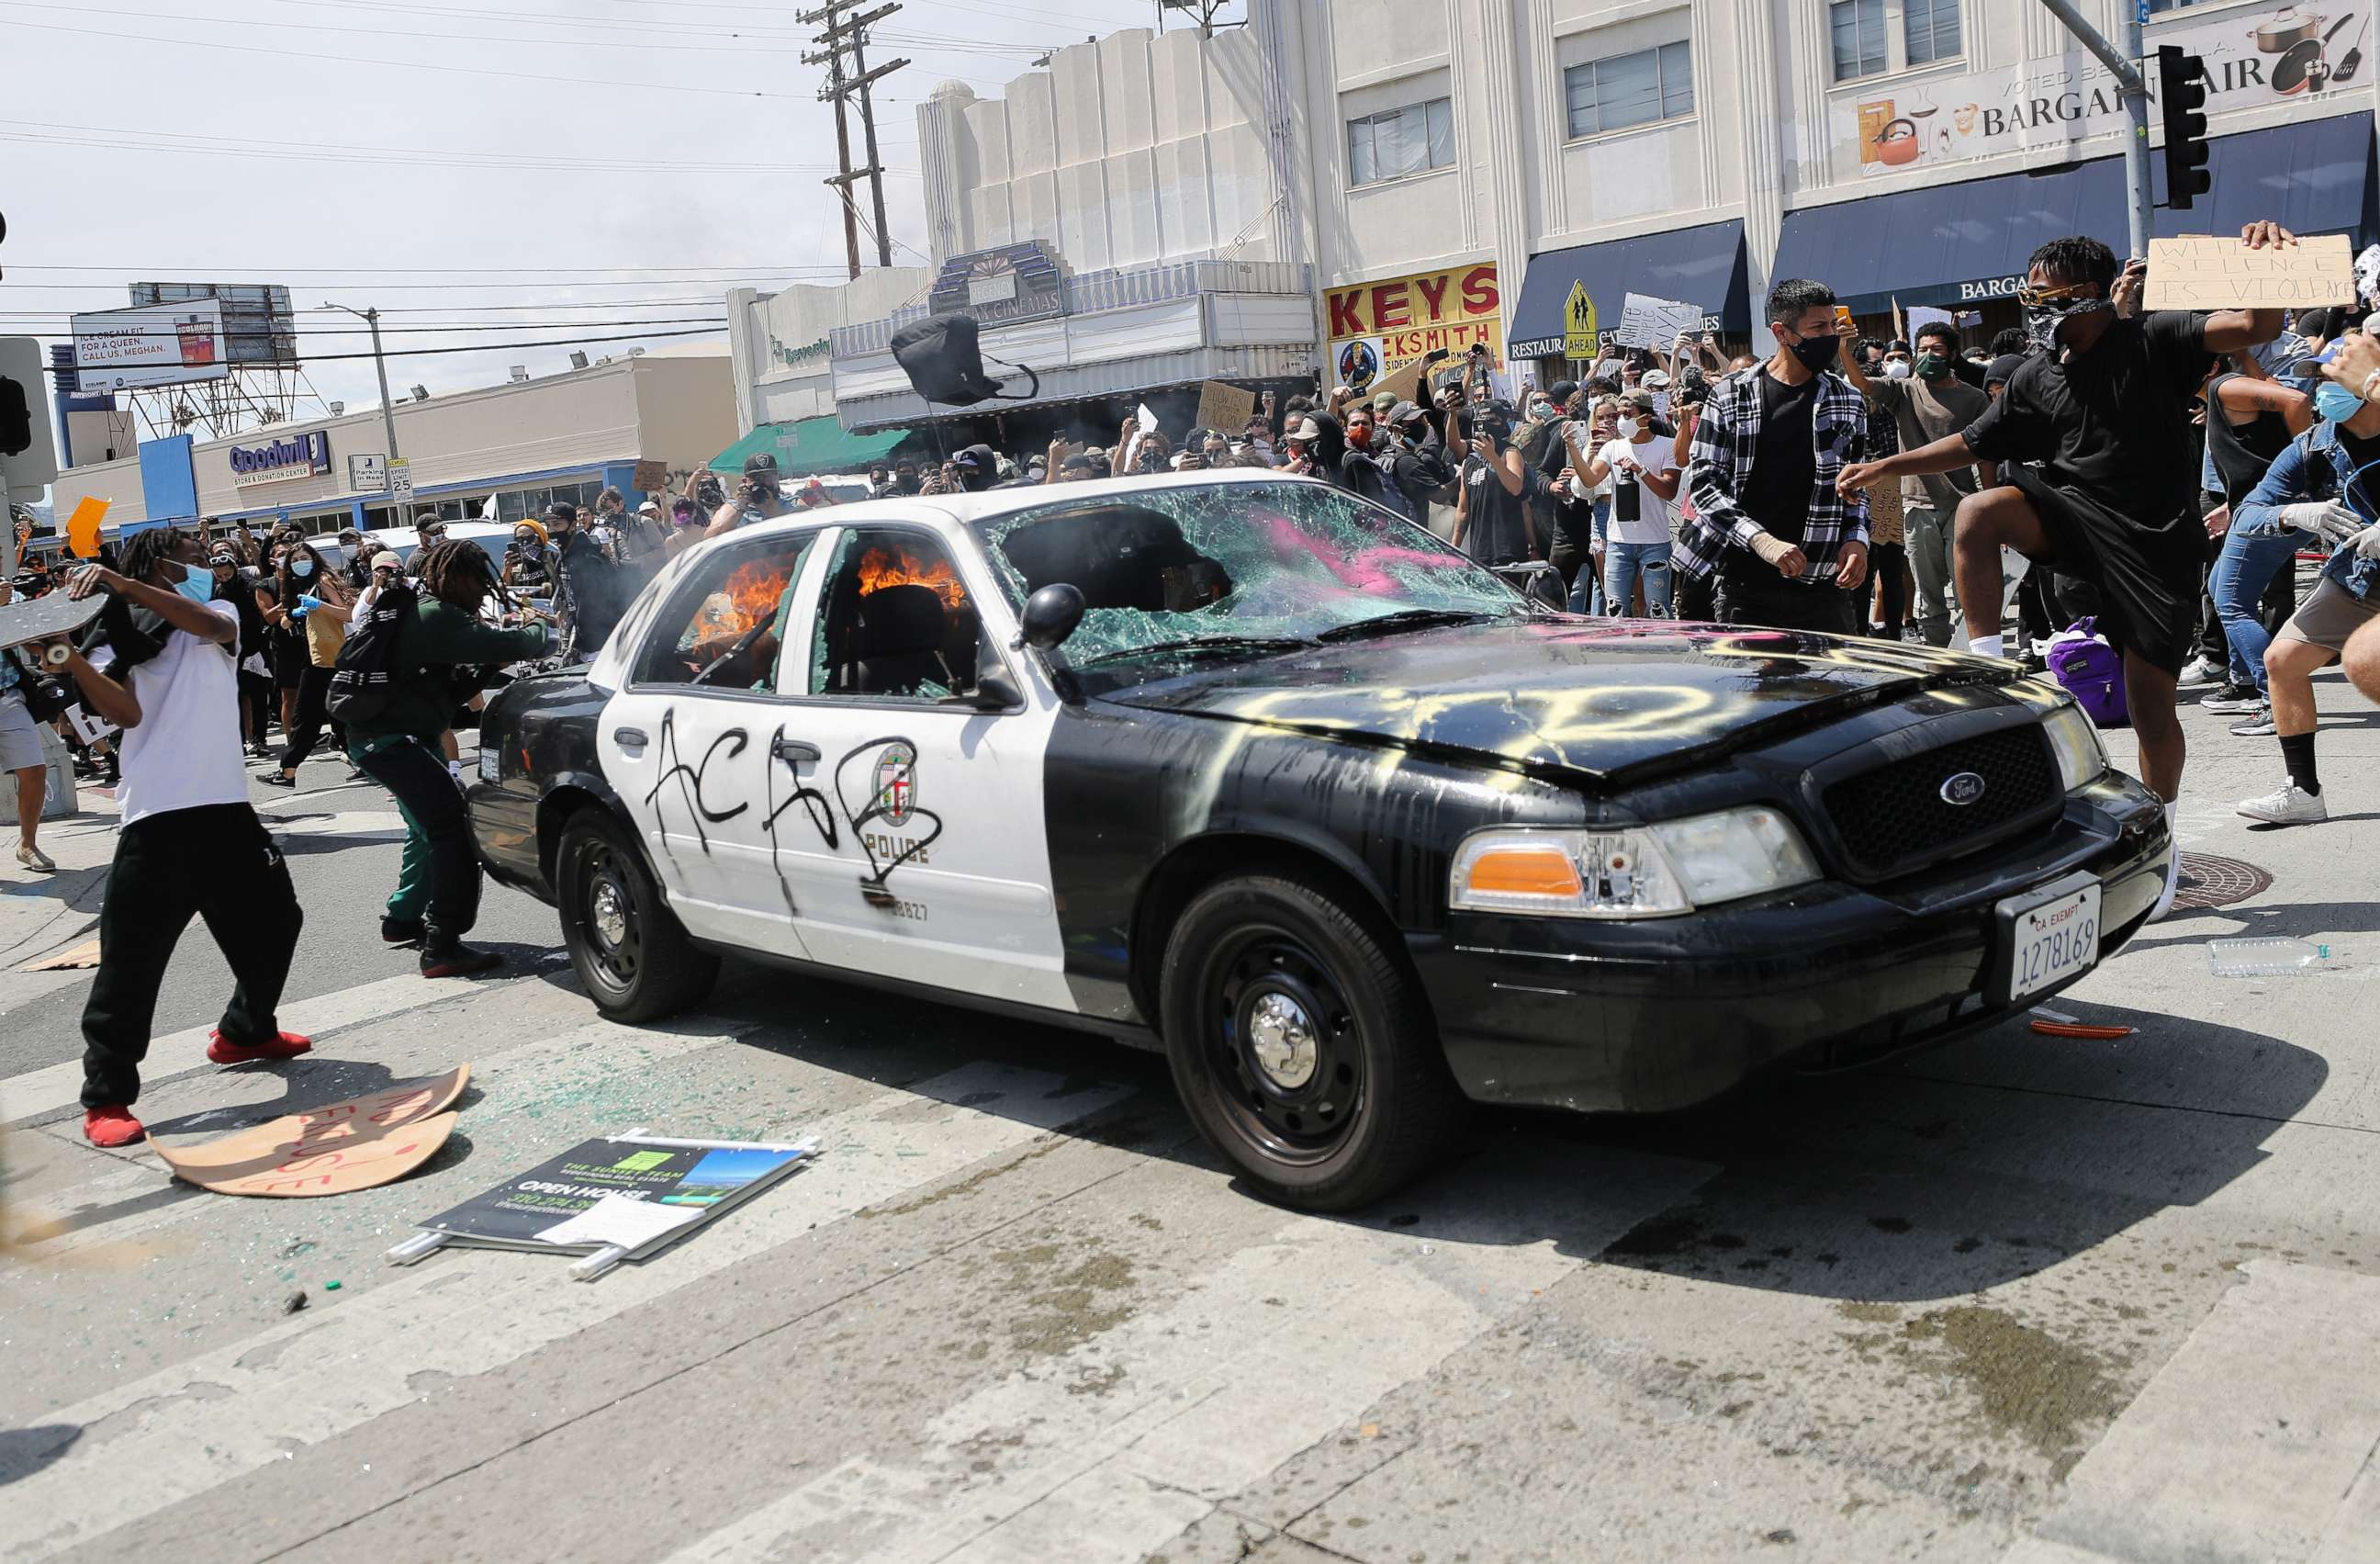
[1786, 547]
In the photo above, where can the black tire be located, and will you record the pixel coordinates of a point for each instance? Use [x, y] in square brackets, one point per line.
[1249, 959]
[627, 947]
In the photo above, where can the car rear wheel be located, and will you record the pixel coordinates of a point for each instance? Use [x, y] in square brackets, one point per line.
[1302, 1045]
[627, 945]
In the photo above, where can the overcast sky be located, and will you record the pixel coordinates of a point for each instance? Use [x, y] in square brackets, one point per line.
[437, 158]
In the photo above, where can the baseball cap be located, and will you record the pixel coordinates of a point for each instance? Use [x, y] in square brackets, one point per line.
[1305, 429]
[966, 458]
[760, 462]
[1383, 401]
[1655, 380]
[1078, 462]
[1640, 398]
[649, 509]
[2002, 367]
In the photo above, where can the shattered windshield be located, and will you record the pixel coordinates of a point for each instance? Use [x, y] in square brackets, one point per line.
[1174, 575]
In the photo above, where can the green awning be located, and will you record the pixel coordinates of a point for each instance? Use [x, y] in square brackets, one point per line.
[809, 445]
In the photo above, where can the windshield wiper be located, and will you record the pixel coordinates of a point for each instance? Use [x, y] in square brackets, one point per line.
[1403, 619]
[1197, 644]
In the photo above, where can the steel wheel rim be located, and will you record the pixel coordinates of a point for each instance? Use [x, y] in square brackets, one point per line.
[607, 921]
[1281, 1045]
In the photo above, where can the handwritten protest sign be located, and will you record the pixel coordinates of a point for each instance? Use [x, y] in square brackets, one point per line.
[329, 1150]
[1647, 322]
[1226, 407]
[2203, 272]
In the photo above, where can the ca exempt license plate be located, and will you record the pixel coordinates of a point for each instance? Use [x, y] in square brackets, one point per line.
[2046, 937]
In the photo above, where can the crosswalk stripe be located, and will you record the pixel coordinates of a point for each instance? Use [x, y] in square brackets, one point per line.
[211, 1419]
[58, 1087]
[1221, 1387]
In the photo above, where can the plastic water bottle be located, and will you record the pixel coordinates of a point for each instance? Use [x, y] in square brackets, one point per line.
[2266, 958]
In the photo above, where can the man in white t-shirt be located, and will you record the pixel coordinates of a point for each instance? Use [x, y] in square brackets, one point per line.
[1644, 473]
[190, 843]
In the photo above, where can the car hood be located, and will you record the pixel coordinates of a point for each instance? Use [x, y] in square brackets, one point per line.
[1613, 701]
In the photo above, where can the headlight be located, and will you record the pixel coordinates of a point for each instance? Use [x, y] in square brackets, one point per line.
[1641, 871]
[2075, 741]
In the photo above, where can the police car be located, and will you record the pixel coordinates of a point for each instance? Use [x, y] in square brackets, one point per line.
[1243, 768]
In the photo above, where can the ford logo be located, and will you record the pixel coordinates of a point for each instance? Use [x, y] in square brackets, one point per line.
[1961, 788]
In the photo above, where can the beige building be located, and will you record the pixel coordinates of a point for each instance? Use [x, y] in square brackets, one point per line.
[523, 445]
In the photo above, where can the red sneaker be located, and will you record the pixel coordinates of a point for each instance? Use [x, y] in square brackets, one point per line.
[222, 1050]
[110, 1127]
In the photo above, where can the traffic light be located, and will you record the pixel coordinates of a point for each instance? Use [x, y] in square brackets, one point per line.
[2181, 92]
[27, 459]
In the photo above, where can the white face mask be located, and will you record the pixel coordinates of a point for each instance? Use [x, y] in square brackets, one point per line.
[1896, 369]
[1626, 428]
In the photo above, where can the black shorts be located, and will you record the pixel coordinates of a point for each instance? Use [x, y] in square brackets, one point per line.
[2148, 578]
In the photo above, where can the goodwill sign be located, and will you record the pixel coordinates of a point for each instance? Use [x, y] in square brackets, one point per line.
[303, 455]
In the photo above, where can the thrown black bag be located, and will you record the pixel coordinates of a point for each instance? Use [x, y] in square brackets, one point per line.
[361, 681]
[939, 355]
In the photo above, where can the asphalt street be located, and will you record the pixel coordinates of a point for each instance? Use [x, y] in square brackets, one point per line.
[2018, 1298]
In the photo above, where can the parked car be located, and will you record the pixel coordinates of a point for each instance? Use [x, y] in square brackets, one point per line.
[1249, 769]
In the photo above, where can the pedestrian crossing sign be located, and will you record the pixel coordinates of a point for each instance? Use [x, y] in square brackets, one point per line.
[1578, 324]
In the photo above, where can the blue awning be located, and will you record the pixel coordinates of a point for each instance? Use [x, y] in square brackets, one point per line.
[1701, 266]
[1955, 244]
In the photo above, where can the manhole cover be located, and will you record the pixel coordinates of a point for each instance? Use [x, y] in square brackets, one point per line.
[2209, 881]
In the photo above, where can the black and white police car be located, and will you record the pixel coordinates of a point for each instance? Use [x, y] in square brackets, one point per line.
[1244, 767]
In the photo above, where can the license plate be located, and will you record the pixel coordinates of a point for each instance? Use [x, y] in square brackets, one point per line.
[2047, 938]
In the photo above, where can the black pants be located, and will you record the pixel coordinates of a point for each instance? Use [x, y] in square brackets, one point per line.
[313, 712]
[1886, 563]
[217, 862]
[417, 774]
[1763, 597]
[257, 706]
[2032, 609]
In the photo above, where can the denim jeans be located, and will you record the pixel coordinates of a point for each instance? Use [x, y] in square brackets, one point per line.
[1647, 562]
[2241, 573]
[1586, 587]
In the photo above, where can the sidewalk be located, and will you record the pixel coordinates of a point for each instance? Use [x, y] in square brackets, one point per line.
[41, 914]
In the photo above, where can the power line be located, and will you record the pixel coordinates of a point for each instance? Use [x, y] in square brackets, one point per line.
[395, 65]
[390, 157]
[469, 347]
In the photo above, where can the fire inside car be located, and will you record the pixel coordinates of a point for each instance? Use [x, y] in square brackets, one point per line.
[895, 620]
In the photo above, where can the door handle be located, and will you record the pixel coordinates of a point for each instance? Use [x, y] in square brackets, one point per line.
[792, 752]
[630, 737]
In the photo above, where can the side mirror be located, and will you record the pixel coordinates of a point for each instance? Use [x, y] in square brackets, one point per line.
[994, 691]
[1051, 613]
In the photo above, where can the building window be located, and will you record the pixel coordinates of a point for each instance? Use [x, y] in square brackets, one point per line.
[1858, 28]
[1932, 29]
[2157, 5]
[1413, 139]
[1638, 89]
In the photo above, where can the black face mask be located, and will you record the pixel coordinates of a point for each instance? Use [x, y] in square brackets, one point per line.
[1816, 353]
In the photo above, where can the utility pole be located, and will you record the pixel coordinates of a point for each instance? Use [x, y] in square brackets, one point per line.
[840, 36]
[387, 414]
[2124, 63]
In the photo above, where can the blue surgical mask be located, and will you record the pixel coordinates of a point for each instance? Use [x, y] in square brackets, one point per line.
[2335, 402]
[301, 568]
[197, 583]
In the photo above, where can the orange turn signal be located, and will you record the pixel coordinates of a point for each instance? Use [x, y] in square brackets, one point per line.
[1524, 871]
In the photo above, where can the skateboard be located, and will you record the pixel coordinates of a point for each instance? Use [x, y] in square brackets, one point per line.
[56, 616]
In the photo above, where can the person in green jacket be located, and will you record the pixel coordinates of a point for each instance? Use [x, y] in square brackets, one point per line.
[438, 664]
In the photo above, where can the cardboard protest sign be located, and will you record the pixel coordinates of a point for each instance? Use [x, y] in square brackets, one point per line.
[650, 476]
[1225, 408]
[341, 1146]
[2204, 272]
[1647, 322]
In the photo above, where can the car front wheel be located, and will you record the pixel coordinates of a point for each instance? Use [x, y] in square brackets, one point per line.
[1302, 1045]
[627, 945]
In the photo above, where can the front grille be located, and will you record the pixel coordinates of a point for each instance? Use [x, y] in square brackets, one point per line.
[1894, 818]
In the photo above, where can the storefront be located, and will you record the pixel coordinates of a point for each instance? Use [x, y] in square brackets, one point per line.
[518, 446]
[1574, 298]
[1964, 247]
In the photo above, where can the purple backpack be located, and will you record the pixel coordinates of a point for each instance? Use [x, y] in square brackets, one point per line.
[2091, 671]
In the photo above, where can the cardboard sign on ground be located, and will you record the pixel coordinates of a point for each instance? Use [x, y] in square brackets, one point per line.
[2203, 272]
[354, 1144]
[1224, 408]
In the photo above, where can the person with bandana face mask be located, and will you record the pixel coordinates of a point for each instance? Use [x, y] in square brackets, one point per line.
[1929, 405]
[2101, 404]
[1360, 468]
[1788, 547]
[190, 843]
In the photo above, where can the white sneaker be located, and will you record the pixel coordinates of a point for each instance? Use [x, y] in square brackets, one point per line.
[33, 858]
[2291, 806]
[2201, 672]
[2172, 882]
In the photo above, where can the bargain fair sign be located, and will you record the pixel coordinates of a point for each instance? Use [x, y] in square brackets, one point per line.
[1376, 328]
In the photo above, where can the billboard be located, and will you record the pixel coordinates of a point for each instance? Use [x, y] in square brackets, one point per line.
[260, 328]
[153, 344]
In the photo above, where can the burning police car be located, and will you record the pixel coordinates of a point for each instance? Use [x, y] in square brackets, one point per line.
[1241, 767]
